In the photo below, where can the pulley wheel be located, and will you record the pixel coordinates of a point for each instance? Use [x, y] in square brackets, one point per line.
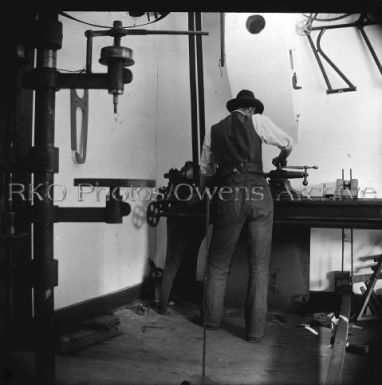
[153, 214]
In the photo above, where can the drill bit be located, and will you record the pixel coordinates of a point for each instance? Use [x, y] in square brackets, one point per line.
[115, 102]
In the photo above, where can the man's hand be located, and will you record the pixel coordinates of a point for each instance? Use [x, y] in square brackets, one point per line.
[279, 162]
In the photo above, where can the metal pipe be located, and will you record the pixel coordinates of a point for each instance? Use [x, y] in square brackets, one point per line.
[90, 81]
[89, 51]
[163, 32]
[193, 93]
[222, 39]
[351, 254]
[125, 32]
[336, 26]
[344, 78]
[43, 241]
[336, 363]
[319, 62]
[343, 250]
[371, 49]
[199, 57]
[205, 280]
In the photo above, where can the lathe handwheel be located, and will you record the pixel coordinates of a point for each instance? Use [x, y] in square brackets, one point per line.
[153, 213]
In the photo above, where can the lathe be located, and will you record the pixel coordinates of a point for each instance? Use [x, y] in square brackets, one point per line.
[291, 205]
[294, 215]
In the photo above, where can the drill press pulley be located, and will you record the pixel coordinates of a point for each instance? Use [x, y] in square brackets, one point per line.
[116, 58]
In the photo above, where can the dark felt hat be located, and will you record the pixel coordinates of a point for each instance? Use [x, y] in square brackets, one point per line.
[245, 98]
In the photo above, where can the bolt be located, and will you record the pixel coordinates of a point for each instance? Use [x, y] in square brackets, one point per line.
[117, 26]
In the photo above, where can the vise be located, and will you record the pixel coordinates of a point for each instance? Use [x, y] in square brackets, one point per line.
[279, 183]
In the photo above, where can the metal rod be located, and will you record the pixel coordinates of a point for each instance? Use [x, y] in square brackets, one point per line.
[222, 39]
[336, 26]
[371, 49]
[125, 32]
[193, 94]
[334, 376]
[339, 72]
[43, 241]
[343, 250]
[81, 214]
[205, 279]
[89, 81]
[89, 51]
[163, 32]
[351, 253]
[319, 62]
[199, 57]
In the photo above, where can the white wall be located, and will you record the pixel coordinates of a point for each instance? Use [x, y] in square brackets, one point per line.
[150, 135]
[260, 62]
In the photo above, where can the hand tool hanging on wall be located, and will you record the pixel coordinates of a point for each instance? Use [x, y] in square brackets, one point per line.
[79, 104]
[222, 40]
[294, 77]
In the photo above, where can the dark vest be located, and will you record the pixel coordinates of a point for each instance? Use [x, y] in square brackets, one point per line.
[234, 141]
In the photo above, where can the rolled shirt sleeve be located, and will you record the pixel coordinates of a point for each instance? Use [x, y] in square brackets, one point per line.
[270, 133]
[207, 161]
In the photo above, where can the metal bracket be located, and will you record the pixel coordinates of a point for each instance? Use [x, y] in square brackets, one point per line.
[318, 50]
[82, 104]
[43, 159]
[361, 23]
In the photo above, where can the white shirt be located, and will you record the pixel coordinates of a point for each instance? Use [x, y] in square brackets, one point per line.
[268, 132]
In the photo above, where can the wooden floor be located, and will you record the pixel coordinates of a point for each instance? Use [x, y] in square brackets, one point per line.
[157, 349]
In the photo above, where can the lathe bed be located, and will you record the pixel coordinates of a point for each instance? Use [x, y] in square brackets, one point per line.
[329, 213]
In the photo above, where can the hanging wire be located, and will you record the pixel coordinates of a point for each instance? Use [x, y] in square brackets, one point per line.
[62, 13]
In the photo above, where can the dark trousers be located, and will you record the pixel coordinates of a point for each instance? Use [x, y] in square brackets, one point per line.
[251, 205]
[184, 236]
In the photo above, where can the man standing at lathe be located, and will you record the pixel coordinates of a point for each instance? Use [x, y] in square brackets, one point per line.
[232, 149]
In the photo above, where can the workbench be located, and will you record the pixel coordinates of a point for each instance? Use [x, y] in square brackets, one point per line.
[328, 213]
[290, 262]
